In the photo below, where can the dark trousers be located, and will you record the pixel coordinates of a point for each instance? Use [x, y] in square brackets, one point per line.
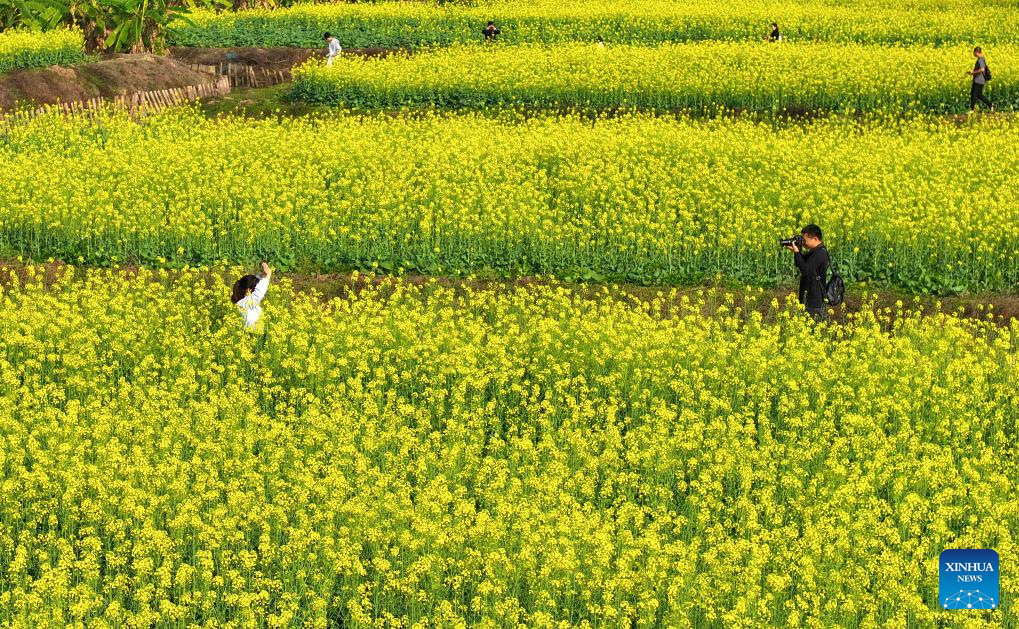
[976, 93]
[818, 311]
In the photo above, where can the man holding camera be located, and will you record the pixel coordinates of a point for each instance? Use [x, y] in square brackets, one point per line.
[813, 266]
[490, 31]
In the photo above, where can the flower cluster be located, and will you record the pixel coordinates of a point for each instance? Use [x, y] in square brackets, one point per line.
[429, 456]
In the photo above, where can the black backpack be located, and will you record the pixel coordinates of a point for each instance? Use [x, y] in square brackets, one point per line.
[835, 288]
[987, 72]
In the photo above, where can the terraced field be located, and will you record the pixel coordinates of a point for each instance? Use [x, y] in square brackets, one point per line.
[438, 450]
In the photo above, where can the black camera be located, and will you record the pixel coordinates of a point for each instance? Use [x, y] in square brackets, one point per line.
[795, 240]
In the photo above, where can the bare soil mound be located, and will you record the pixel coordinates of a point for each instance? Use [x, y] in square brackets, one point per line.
[112, 76]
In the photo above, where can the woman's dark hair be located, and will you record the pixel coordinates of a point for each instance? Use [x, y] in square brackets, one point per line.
[327, 35]
[242, 286]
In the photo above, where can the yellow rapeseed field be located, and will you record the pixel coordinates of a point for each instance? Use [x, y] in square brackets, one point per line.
[30, 49]
[411, 24]
[651, 200]
[525, 457]
[429, 453]
[704, 77]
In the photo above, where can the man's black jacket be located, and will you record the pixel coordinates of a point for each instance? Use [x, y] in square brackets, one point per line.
[813, 267]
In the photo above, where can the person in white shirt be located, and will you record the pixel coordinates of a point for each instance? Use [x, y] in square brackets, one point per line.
[334, 48]
[247, 295]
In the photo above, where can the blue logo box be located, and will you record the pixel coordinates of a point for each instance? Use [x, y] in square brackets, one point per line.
[968, 579]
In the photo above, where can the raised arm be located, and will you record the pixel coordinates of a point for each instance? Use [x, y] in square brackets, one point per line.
[260, 289]
[263, 284]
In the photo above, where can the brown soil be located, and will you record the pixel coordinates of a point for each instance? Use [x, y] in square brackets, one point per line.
[108, 77]
[1005, 307]
[268, 58]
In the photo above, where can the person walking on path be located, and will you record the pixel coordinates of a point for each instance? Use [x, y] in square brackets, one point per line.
[248, 293]
[334, 48]
[980, 75]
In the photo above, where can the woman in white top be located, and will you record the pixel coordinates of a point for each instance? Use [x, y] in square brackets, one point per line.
[247, 295]
[334, 48]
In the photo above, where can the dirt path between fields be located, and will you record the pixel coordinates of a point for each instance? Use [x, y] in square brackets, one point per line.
[259, 67]
[1005, 307]
[269, 58]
